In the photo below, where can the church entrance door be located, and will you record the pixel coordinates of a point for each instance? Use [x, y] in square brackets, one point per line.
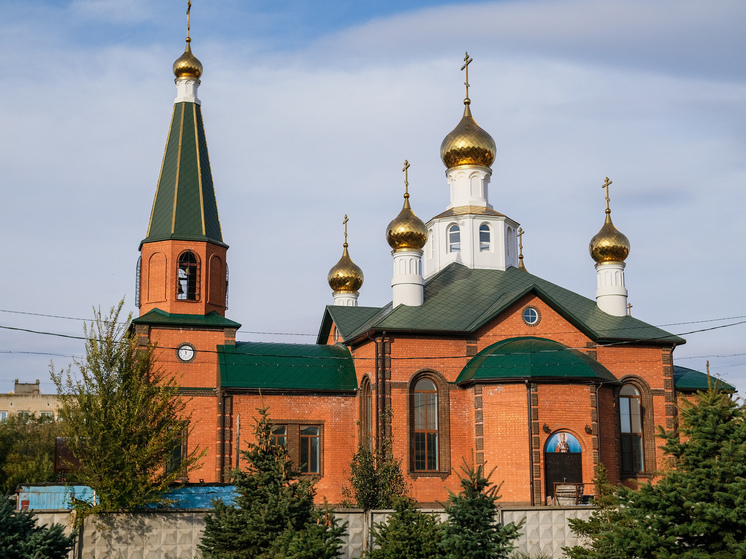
[563, 461]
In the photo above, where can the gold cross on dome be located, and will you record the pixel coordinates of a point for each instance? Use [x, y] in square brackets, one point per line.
[406, 177]
[467, 61]
[606, 185]
[520, 238]
[345, 224]
[189, 22]
[629, 309]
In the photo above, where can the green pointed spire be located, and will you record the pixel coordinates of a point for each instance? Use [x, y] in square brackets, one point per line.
[185, 207]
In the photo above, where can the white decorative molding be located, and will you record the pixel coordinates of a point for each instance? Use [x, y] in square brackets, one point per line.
[346, 299]
[186, 90]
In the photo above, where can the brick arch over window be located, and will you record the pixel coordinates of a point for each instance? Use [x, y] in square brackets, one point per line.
[429, 425]
[635, 394]
[366, 411]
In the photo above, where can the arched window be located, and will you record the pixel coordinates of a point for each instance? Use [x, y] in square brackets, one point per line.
[454, 239]
[484, 238]
[630, 415]
[188, 277]
[366, 413]
[425, 426]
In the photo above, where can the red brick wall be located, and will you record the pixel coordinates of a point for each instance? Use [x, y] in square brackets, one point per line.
[158, 278]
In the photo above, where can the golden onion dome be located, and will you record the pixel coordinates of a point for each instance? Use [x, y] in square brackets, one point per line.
[406, 231]
[468, 144]
[187, 65]
[609, 244]
[345, 276]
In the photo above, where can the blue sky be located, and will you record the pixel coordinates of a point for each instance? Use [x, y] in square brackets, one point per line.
[310, 109]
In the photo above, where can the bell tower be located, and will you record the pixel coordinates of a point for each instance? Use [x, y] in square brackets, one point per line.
[182, 268]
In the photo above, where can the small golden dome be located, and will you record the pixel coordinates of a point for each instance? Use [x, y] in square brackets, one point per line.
[406, 231]
[609, 244]
[345, 276]
[468, 144]
[187, 65]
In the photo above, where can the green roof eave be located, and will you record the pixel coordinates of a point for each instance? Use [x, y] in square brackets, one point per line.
[157, 317]
[689, 380]
[307, 367]
[533, 358]
[180, 237]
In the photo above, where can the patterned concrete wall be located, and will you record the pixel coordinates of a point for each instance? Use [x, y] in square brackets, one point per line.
[545, 529]
[175, 535]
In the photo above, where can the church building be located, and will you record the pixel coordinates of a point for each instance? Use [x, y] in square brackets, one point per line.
[474, 358]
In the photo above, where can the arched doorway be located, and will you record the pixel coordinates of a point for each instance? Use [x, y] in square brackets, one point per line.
[563, 459]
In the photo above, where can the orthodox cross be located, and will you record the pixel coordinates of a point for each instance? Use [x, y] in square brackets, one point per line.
[406, 178]
[189, 23]
[467, 61]
[629, 309]
[345, 224]
[520, 239]
[607, 182]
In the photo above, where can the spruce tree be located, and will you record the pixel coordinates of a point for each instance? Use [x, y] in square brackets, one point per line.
[472, 530]
[408, 532]
[274, 515]
[697, 509]
[22, 538]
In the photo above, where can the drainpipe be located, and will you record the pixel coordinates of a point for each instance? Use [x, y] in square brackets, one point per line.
[238, 439]
[221, 405]
[530, 442]
[598, 425]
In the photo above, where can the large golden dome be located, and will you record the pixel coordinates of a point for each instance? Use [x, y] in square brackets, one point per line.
[406, 231]
[609, 244]
[468, 144]
[187, 65]
[345, 276]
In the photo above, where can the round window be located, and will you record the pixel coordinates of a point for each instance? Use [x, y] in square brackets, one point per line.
[531, 316]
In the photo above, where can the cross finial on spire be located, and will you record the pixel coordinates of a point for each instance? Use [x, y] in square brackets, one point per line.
[521, 265]
[606, 185]
[345, 224]
[467, 61]
[629, 309]
[189, 21]
[406, 178]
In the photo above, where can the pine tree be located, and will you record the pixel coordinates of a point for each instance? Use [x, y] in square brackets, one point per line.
[274, 513]
[697, 509]
[408, 532]
[22, 538]
[472, 530]
[122, 416]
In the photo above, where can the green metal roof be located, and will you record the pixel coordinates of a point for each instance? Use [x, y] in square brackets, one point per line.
[349, 320]
[689, 380]
[210, 320]
[287, 366]
[532, 358]
[185, 207]
[462, 300]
